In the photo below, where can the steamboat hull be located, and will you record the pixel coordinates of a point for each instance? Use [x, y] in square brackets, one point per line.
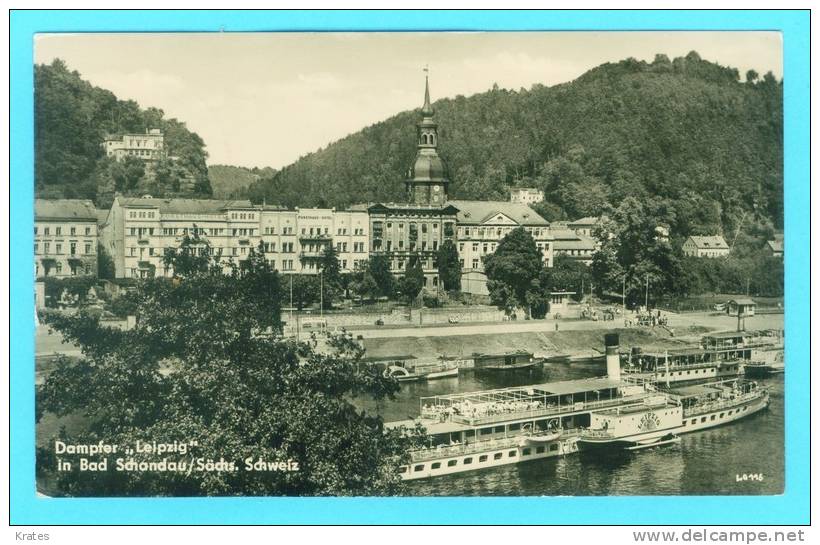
[691, 421]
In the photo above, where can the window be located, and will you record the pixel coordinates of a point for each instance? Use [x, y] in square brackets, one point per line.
[419, 467]
[59, 248]
[59, 267]
[539, 450]
[553, 447]
[482, 458]
[452, 463]
[46, 231]
[435, 465]
[467, 461]
[486, 431]
[36, 247]
[58, 231]
[498, 455]
[526, 452]
[512, 454]
[73, 231]
[73, 248]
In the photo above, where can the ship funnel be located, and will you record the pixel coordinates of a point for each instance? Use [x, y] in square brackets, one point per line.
[613, 358]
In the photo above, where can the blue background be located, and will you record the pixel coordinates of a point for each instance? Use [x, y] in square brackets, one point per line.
[790, 508]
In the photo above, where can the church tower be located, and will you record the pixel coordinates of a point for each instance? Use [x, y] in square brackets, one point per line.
[427, 179]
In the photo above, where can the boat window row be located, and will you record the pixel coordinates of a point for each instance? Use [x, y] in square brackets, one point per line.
[483, 458]
[715, 417]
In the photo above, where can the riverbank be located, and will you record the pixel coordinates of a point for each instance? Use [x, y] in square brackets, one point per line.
[588, 343]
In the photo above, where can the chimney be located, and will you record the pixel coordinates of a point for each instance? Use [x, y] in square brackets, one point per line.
[613, 358]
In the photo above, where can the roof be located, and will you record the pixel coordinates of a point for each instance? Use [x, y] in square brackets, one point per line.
[588, 220]
[446, 208]
[185, 206]
[725, 335]
[570, 240]
[776, 245]
[478, 212]
[65, 209]
[743, 301]
[102, 216]
[712, 242]
[531, 189]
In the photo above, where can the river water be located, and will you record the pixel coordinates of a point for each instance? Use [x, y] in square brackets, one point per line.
[705, 462]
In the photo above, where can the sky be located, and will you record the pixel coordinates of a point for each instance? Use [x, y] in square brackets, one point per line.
[266, 99]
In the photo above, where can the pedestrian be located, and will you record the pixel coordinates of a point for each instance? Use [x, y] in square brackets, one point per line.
[556, 326]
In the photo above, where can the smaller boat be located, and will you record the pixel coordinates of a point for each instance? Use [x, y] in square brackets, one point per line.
[759, 369]
[560, 358]
[669, 440]
[508, 361]
[441, 368]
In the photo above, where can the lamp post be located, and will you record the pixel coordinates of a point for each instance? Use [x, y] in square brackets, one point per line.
[646, 301]
[623, 296]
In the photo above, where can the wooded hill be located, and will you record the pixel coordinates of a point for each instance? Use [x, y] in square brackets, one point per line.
[230, 182]
[72, 118]
[686, 135]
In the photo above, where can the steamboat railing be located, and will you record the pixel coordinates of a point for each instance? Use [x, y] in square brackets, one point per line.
[445, 451]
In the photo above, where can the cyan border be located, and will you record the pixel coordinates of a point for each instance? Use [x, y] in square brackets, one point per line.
[790, 508]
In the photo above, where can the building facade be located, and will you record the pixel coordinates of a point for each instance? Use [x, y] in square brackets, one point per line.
[148, 147]
[138, 231]
[526, 195]
[483, 224]
[65, 238]
[705, 246]
[569, 243]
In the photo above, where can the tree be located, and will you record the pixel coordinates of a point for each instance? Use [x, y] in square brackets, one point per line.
[305, 290]
[513, 270]
[105, 263]
[331, 274]
[412, 282]
[636, 253]
[566, 274]
[192, 257]
[379, 268]
[449, 266]
[195, 369]
[364, 286]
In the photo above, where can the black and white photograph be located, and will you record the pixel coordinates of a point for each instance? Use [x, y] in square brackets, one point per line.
[409, 264]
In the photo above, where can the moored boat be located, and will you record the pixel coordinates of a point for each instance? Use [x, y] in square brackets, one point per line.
[661, 419]
[508, 361]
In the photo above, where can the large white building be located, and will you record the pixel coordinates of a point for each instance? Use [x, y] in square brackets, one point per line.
[526, 195]
[139, 230]
[148, 147]
[65, 238]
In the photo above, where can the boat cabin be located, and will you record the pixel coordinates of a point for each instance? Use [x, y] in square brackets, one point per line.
[509, 360]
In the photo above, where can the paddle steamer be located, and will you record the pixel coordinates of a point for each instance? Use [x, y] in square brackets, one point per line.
[491, 428]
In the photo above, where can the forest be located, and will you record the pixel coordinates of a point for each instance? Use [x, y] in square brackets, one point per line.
[691, 136]
[73, 117]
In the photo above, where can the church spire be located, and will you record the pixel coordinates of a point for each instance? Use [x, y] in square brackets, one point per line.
[426, 110]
